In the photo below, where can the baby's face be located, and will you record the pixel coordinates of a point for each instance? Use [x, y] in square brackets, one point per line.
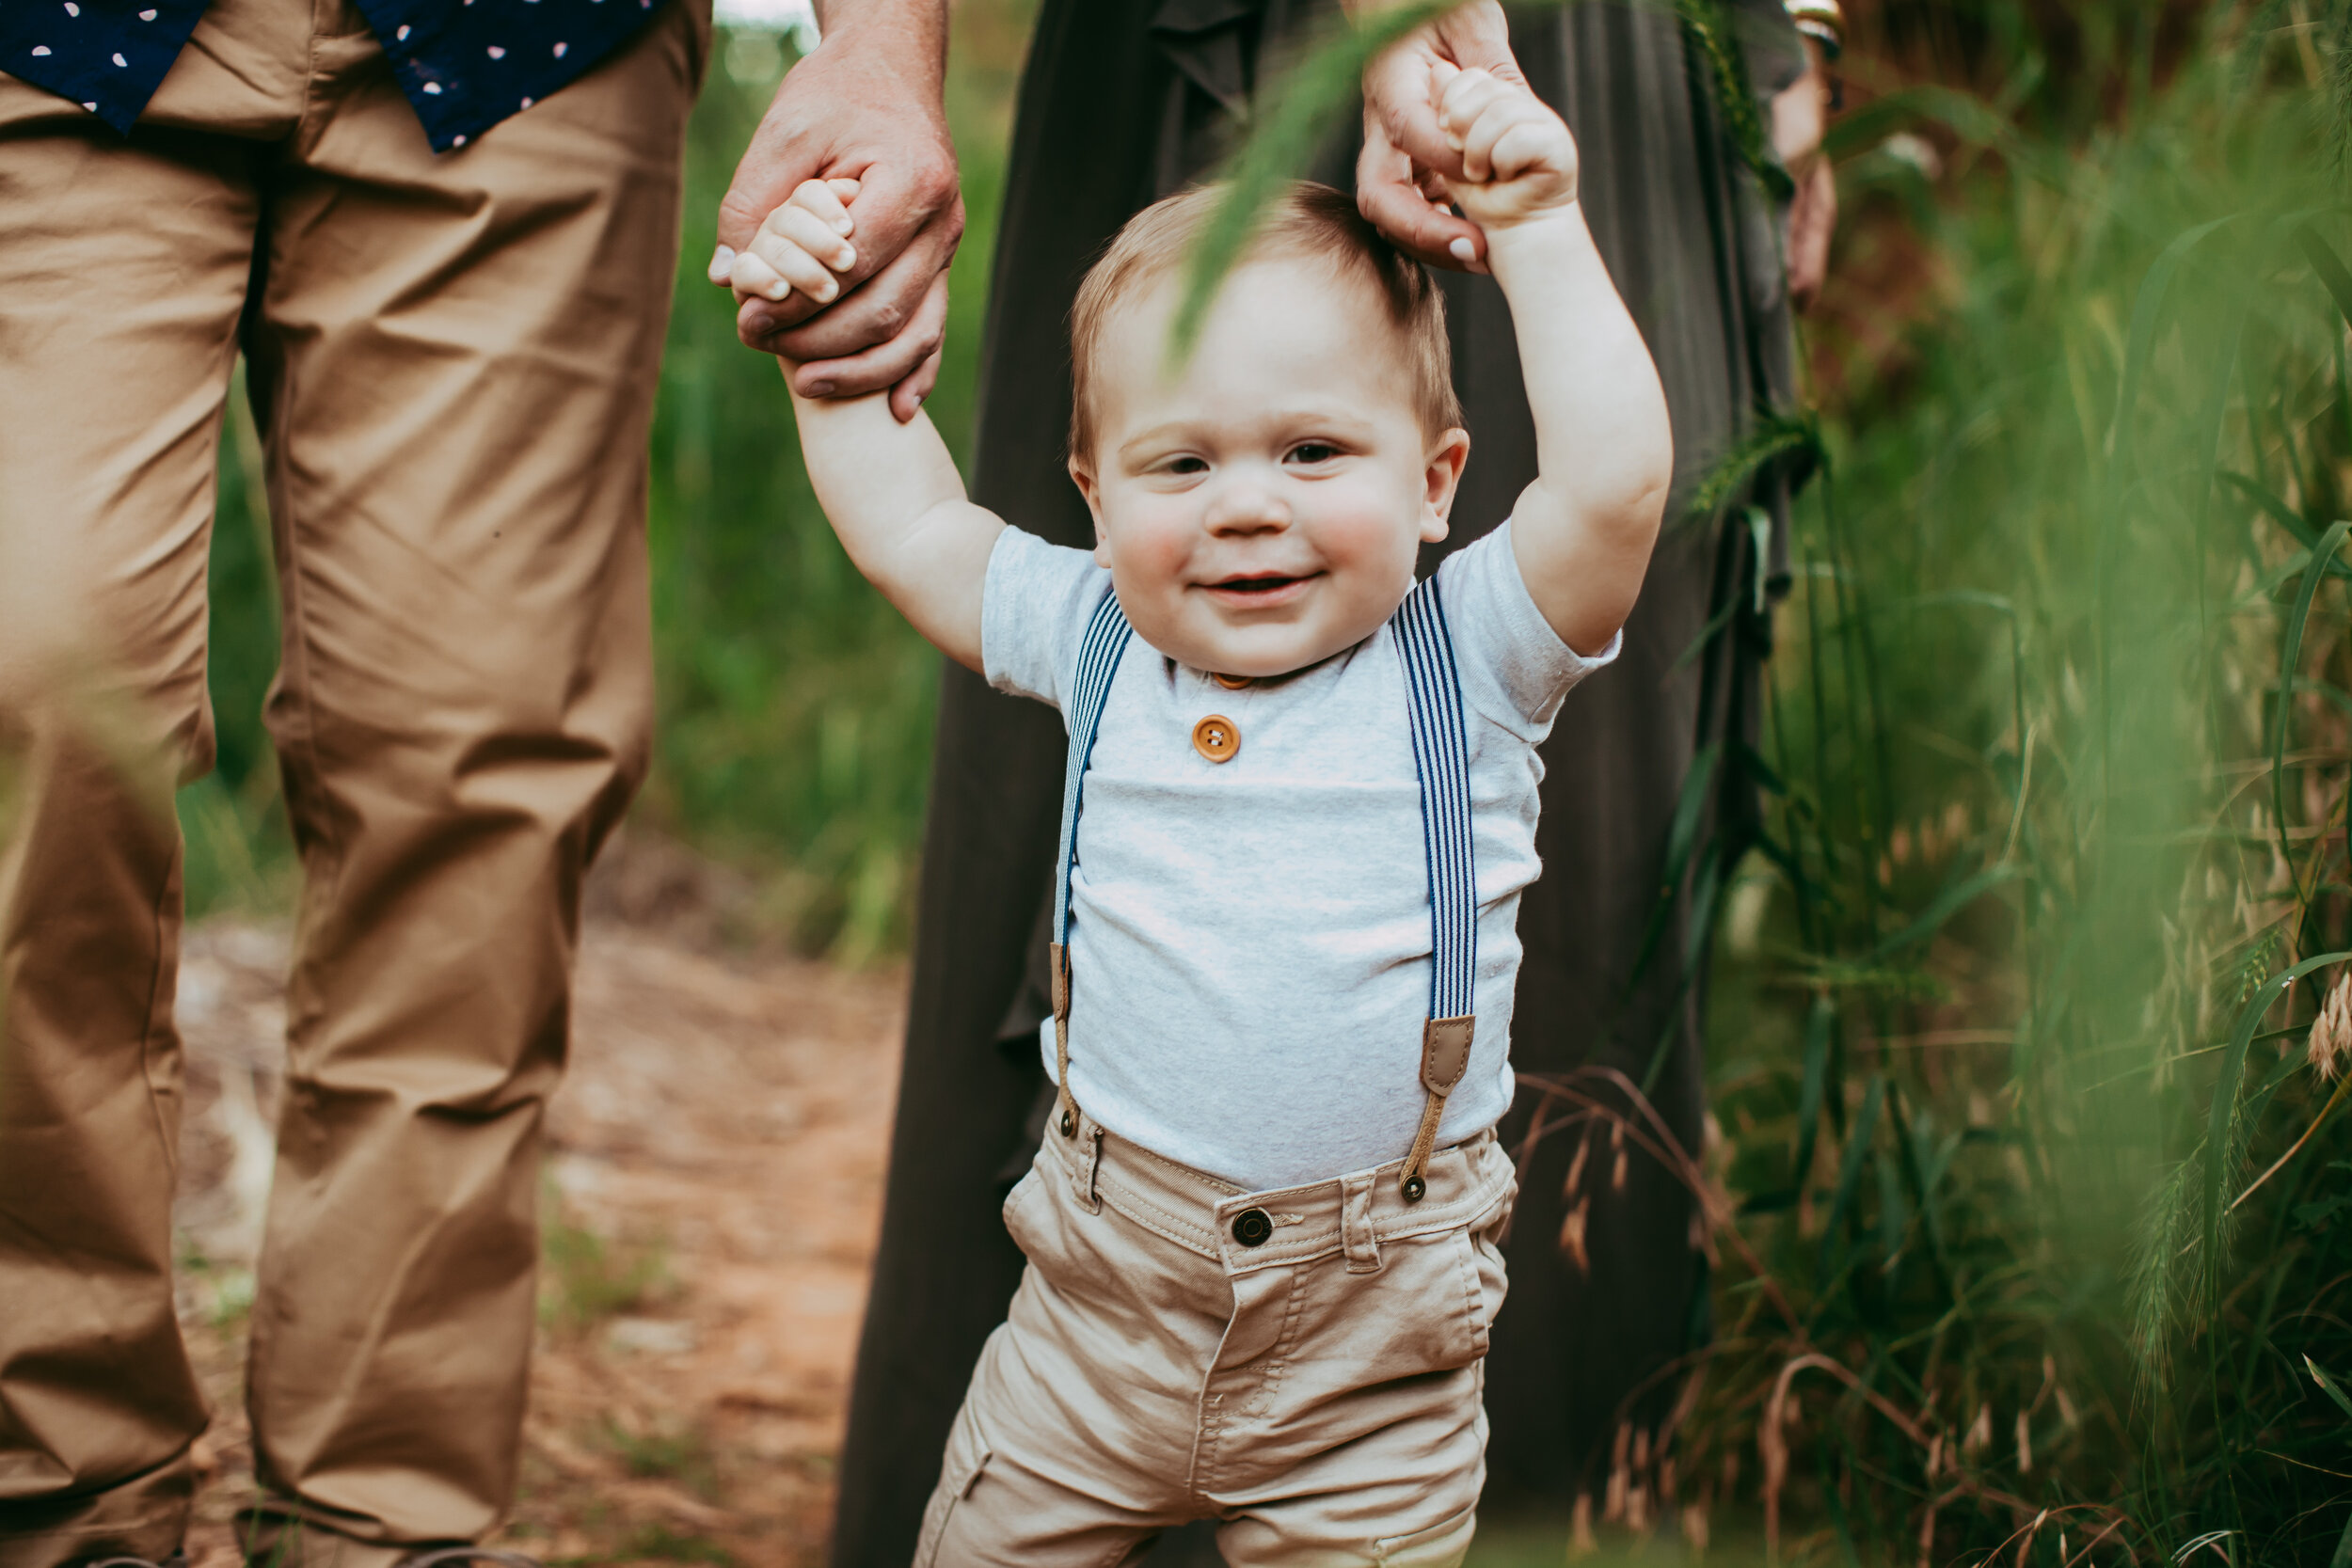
[1261, 508]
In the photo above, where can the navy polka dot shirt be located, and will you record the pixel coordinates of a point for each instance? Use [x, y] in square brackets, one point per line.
[465, 64]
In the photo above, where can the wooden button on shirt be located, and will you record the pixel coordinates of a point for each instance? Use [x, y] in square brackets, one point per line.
[1250, 940]
[1216, 738]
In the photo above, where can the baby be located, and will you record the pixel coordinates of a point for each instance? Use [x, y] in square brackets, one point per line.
[1300, 809]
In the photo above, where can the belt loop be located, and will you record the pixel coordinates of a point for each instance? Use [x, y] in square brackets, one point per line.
[1082, 1174]
[1362, 1246]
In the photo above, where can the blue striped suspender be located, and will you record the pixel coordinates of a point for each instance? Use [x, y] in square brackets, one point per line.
[1441, 758]
[1441, 762]
[1107, 639]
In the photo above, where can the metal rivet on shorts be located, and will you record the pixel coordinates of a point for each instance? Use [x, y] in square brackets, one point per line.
[1069, 1125]
[1414, 1188]
[1251, 1228]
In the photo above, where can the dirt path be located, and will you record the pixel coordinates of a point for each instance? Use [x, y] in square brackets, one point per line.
[713, 1190]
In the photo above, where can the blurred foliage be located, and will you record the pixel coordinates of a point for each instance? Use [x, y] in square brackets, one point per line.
[2027, 1200]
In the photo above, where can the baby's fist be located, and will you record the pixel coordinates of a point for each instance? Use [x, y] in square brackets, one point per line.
[802, 246]
[1518, 161]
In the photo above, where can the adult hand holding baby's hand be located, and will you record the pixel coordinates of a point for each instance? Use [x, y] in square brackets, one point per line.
[866, 104]
[1518, 161]
[802, 246]
[1400, 175]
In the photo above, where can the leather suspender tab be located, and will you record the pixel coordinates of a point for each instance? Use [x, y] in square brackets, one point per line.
[1445, 1047]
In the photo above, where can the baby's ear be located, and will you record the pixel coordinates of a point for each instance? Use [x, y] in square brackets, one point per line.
[1082, 476]
[1441, 479]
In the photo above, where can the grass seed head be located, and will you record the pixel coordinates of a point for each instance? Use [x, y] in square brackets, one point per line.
[2332, 1033]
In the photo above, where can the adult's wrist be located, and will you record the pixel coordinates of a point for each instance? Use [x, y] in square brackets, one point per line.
[913, 32]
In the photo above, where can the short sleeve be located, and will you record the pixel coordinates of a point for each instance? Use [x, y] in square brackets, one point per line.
[1034, 609]
[1515, 668]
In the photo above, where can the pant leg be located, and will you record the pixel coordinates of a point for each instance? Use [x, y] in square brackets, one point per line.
[457, 360]
[123, 267]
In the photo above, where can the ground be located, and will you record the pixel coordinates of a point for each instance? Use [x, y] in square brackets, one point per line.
[713, 1192]
[714, 1185]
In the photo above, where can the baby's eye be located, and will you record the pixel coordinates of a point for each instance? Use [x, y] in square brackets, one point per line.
[1312, 452]
[1187, 466]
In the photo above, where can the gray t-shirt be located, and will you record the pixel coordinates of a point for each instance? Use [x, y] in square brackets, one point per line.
[1250, 942]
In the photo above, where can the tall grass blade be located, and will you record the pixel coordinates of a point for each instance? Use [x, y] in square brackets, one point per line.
[2290, 659]
[2329, 266]
[2221, 1124]
[1305, 109]
[2327, 1385]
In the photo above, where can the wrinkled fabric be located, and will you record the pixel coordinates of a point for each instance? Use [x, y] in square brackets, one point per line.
[456, 477]
[1314, 1395]
[463, 67]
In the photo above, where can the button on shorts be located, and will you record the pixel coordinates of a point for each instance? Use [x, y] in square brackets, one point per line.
[1303, 1366]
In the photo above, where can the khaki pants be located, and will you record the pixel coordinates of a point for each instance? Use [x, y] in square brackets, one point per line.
[1317, 1393]
[453, 362]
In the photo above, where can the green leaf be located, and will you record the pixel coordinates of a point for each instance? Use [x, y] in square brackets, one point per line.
[1967, 117]
[2328, 1384]
[1308, 106]
[1947, 903]
[2291, 654]
[1814, 1085]
[2305, 532]
[2220, 1117]
[2147, 314]
[1850, 1168]
[2326, 263]
[1681, 844]
[1709, 23]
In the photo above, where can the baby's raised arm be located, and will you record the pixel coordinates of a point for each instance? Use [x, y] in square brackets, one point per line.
[1583, 531]
[891, 490]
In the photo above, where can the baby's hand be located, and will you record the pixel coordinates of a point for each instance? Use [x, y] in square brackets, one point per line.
[1518, 161]
[803, 244]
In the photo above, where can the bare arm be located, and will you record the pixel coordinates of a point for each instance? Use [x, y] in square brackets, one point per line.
[895, 499]
[887, 485]
[1583, 531]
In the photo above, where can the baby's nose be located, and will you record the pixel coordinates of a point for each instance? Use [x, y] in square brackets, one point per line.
[1243, 505]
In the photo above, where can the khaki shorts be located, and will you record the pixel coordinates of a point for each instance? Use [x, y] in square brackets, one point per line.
[1317, 1393]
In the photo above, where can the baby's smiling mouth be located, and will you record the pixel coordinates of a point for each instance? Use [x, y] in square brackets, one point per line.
[1258, 586]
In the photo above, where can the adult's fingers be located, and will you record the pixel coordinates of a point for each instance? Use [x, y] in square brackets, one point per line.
[884, 364]
[868, 315]
[1398, 87]
[1391, 195]
[906, 397]
[1812, 224]
[854, 109]
[895, 204]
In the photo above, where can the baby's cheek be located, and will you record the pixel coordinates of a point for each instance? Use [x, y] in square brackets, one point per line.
[1367, 530]
[1151, 542]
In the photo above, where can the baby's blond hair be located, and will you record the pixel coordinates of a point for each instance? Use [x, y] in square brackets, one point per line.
[1307, 220]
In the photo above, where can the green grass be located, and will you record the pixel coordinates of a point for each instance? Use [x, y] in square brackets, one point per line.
[2004, 1033]
[585, 1278]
